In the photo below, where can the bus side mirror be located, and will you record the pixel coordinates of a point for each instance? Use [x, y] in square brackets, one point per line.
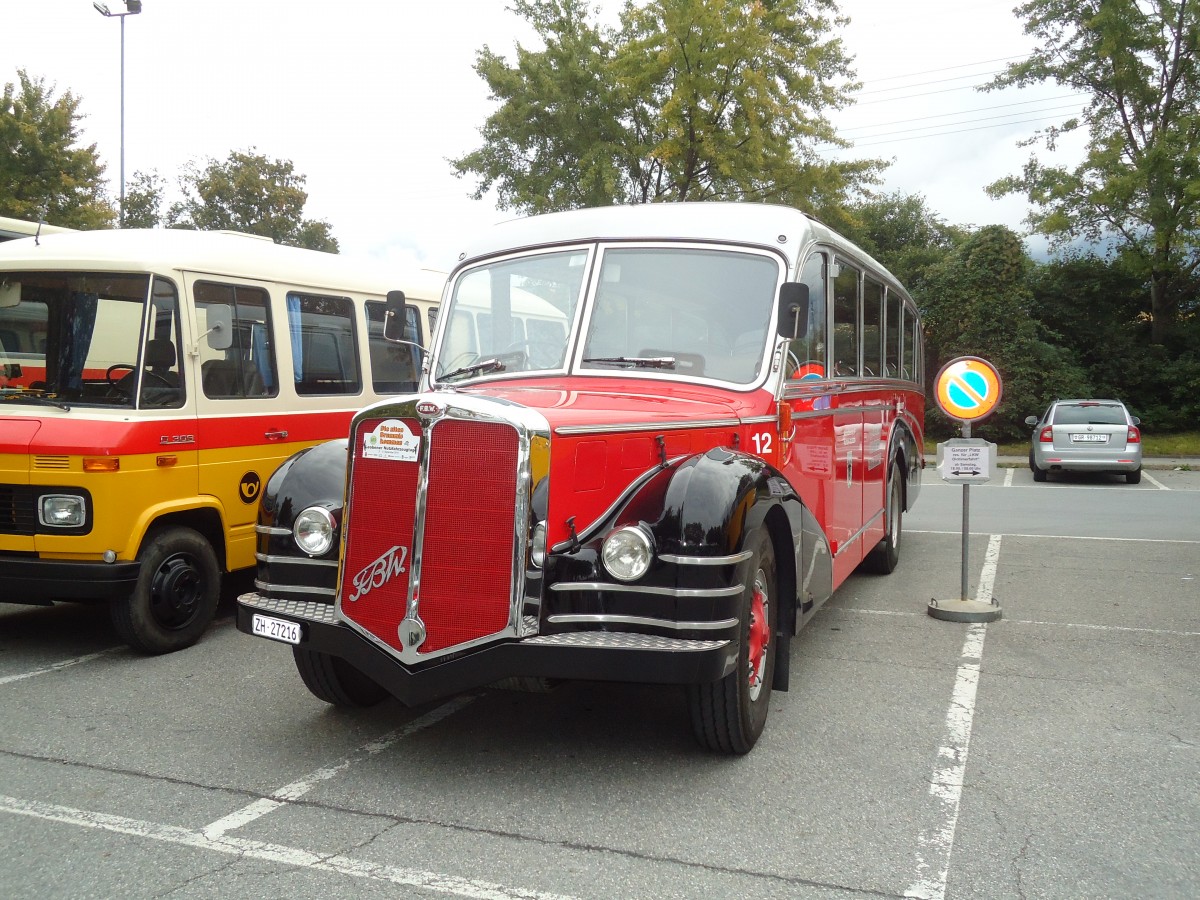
[10, 294]
[394, 316]
[793, 310]
[219, 317]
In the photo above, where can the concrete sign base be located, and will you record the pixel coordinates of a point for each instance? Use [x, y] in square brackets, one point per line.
[964, 610]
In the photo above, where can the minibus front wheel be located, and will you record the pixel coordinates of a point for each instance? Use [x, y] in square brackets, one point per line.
[176, 594]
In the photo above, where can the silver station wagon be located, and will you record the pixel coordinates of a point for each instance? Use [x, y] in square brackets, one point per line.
[1086, 436]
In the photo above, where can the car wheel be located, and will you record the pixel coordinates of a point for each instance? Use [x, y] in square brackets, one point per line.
[332, 679]
[1039, 474]
[885, 556]
[1133, 477]
[176, 594]
[729, 715]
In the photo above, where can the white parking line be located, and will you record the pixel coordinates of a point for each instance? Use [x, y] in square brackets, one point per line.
[1088, 625]
[55, 667]
[935, 843]
[1008, 477]
[1069, 537]
[1154, 481]
[289, 856]
[299, 788]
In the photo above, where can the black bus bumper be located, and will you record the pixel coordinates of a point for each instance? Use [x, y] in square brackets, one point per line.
[39, 581]
[583, 656]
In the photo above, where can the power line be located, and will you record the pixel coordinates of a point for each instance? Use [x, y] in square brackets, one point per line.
[937, 134]
[1049, 109]
[904, 87]
[963, 112]
[982, 62]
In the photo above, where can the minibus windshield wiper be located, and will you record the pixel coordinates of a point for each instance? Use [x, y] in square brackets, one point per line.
[31, 397]
[491, 364]
[635, 362]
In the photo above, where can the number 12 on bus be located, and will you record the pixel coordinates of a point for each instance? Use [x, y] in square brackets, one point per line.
[650, 443]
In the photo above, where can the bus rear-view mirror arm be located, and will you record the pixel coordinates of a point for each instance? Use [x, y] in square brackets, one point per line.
[394, 316]
[793, 310]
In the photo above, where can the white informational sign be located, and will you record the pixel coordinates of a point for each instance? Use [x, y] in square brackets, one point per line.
[391, 440]
[966, 461]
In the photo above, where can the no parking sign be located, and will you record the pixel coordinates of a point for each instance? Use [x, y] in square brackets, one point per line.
[968, 389]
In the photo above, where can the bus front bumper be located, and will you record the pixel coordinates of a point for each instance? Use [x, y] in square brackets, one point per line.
[39, 581]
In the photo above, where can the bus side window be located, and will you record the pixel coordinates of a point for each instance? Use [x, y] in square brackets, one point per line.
[872, 332]
[845, 322]
[806, 355]
[395, 368]
[892, 331]
[247, 367]
[324, 351]
[912, 340]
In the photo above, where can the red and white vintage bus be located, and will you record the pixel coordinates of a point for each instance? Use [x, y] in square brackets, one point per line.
[150, 382]
[651, 442]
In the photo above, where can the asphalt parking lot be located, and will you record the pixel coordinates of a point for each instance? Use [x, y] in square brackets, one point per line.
[1052, 753]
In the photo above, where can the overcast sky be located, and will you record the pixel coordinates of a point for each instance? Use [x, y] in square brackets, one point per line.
[370, 98]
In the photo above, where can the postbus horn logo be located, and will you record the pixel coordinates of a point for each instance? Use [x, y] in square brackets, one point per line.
[968, 388]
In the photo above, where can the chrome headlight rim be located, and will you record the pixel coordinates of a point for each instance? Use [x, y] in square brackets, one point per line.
[314, 531]
[628, 552]
[74, 503]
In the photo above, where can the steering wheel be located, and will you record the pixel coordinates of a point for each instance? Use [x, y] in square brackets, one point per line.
[108, 374]
[541, 354]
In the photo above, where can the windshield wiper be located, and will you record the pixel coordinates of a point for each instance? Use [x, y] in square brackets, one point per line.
[636, 362]
[32, 397]
[491, 364]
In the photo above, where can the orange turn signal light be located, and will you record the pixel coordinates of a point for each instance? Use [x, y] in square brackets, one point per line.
[102, 464]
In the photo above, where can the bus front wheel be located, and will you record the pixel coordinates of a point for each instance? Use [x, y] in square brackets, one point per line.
[176, 594]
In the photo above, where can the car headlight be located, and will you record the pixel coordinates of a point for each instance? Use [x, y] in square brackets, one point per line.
[62, 511]
[627, 553]
[314, 530]
[537, 545]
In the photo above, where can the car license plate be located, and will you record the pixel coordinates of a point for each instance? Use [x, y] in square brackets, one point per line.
[1090, 438]
[276, 629]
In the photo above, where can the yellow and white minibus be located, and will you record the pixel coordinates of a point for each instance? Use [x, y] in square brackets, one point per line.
[150, 384]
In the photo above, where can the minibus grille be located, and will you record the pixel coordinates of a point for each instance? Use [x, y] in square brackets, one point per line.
[18, 513]
[465, 547]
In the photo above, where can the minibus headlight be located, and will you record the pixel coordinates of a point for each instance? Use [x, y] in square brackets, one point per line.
[314, 531]
[537, 546]
[627, 553]
[62, 511]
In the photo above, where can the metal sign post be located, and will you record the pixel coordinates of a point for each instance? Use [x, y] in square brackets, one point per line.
[967, 389]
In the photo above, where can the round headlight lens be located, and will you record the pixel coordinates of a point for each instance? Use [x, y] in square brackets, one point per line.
[627, 553]
[537, 546]
[314, 531]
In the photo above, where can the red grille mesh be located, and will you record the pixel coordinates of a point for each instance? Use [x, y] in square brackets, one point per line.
[467, 561]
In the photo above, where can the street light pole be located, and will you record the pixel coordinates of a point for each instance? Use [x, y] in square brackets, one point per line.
[132, 8]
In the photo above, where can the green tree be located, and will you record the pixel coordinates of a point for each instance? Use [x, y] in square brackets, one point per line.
[903, 233]
[251, 193]
[1139, 181]
[977, 302]
[145, 203]
[687, 100]
[43, 169]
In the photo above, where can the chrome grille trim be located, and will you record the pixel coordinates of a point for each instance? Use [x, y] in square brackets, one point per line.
[622, 427]
[272, 531]
[706, 560]
[644, 589]
[612, 619]
[293, 589]
[276, 560]
[608, 640]
[312, 610]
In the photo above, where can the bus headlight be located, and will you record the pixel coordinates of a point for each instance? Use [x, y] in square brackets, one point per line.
[537, 546]
[627, 553]
[62, 511]
[314, 531]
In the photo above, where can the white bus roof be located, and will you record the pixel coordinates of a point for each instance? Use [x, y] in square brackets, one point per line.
[782, 228]
[13, 229]
[214, 253]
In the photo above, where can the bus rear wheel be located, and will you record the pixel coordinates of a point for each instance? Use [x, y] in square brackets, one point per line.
[332, 679]
[728, 716]
[885, 556]
[176, 594]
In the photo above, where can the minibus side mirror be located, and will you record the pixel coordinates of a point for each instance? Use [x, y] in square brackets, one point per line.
[220, 326]
[394, 316]
[793, 310]
[10, 294]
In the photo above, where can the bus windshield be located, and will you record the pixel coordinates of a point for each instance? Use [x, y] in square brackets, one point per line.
[72, 337]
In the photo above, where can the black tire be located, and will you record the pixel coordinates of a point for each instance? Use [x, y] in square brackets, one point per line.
[729, 715]
[332, 679]
[885, 556]
[1133, 477]
[176, 594]
[1038, 473]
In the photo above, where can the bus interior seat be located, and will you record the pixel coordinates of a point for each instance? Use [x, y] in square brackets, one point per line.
[160, 383]
[227, 378]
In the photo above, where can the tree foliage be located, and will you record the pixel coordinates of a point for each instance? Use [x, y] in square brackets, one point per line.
[1138, 182]
[145, 200]
[251, 193]
[903, 233]
[43, 170]
[686, 100]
